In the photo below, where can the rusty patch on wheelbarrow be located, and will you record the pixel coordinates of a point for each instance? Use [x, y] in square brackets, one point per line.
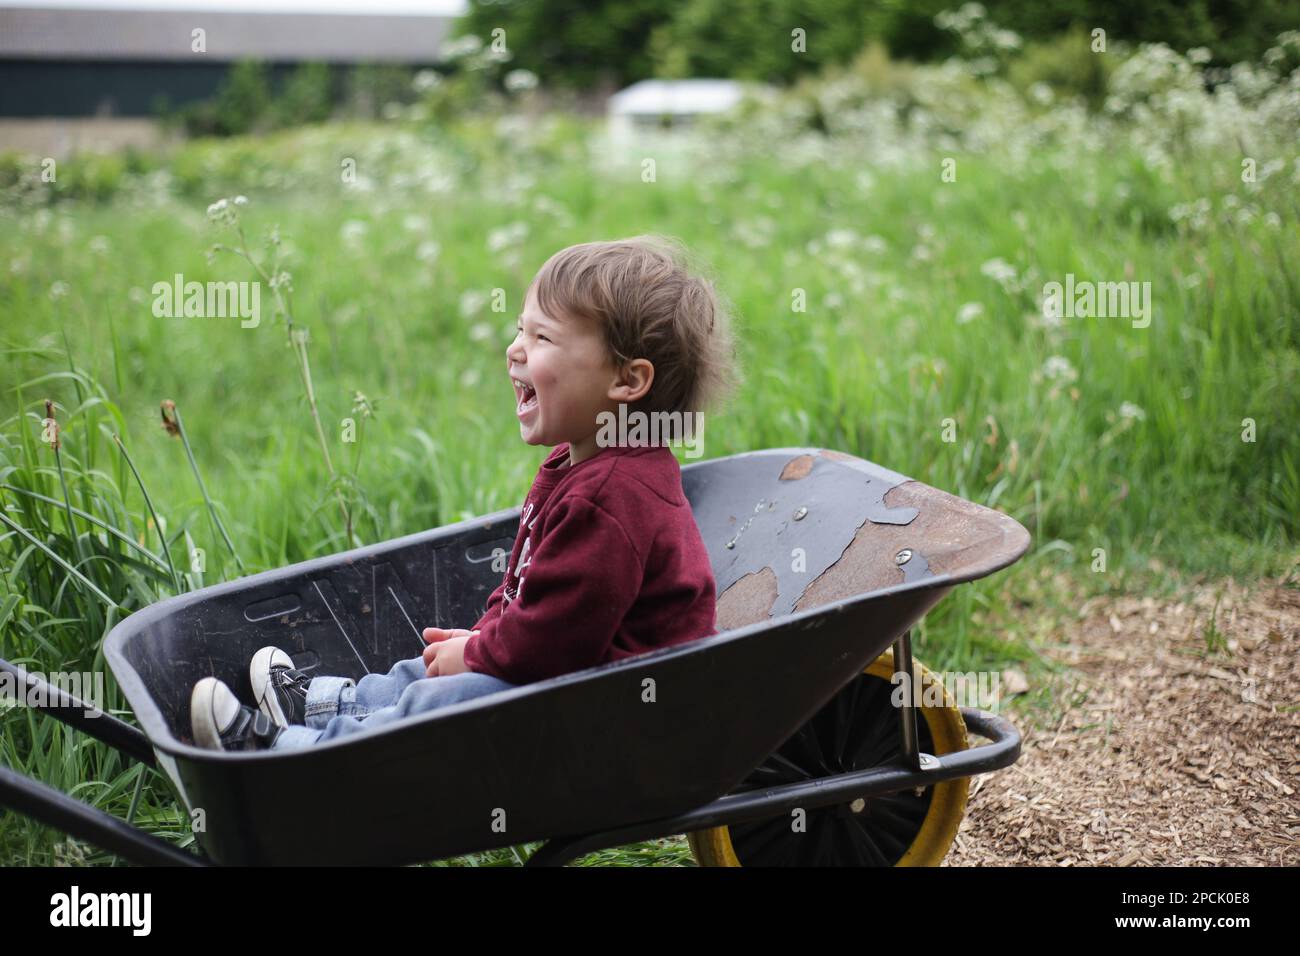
[797, 468]
[948, 536]
[912, 532]
[750, 599]
[782, 520]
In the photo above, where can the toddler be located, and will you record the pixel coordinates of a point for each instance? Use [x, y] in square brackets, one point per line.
[610, 331]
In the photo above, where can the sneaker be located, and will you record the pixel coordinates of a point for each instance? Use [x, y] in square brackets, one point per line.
[279, 689]
[221, 722]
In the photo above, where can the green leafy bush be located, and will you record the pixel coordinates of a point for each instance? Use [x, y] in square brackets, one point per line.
[1067, 65]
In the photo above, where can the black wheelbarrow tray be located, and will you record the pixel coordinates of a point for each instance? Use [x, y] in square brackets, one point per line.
[776, 741]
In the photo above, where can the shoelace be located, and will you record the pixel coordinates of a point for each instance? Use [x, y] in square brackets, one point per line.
[290, 679]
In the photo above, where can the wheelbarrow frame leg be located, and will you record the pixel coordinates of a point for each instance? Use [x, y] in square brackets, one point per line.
[913, 758]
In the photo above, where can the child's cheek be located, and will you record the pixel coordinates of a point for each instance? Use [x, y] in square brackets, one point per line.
[545, 385]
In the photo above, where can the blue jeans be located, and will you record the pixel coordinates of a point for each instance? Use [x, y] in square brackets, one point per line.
[337, 706]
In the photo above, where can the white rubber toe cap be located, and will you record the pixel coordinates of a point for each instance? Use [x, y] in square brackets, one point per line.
[213, 708]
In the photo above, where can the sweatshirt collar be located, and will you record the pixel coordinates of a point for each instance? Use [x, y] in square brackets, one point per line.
[551, 467]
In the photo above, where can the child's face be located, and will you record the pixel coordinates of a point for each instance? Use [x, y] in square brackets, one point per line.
[562, 375]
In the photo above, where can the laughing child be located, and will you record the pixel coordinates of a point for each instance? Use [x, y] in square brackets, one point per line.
[606, 535]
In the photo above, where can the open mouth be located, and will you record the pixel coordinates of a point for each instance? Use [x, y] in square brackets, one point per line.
[525, 397]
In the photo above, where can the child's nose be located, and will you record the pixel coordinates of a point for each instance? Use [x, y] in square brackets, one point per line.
[515, 351]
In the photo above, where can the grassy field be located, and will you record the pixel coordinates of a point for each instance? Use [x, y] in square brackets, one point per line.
[922, 346]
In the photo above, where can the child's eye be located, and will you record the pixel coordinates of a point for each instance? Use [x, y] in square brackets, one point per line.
[520, 329]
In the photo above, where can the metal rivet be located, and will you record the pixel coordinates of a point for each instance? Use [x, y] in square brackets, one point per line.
[731, 543]
[798, 515]
[903, 556]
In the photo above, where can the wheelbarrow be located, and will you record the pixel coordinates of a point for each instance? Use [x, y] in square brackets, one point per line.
[777, 741]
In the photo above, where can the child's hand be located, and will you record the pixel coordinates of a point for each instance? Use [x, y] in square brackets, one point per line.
[446, 651]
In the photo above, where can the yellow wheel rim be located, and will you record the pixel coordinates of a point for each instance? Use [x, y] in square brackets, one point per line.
[938, 829]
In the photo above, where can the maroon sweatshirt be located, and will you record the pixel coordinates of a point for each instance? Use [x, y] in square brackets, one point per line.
[607, 563]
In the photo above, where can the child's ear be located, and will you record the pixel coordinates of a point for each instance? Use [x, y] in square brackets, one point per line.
[633, 381]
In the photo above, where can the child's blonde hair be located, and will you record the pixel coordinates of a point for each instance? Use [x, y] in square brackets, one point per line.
[652, 301]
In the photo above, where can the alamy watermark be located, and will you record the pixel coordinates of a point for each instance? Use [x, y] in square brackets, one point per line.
[180, 299]
[133, 911]
[45, 691]
[980, 689]
[636, 429]
[1098, 300]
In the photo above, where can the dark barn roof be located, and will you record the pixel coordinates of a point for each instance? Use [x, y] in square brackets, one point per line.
[117, 57]
[387, 31]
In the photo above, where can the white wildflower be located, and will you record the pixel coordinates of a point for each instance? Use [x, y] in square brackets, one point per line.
[1195, 215]
[1058, 368]
[352, 232]
[461, 47]
[1041, 94]
[224, 212]
[1129, 410]
[1006, 39]
[503, 238]
[1001, 272]
[426, 80]
[493, 55]
[841, 238]
[472, 302]
[520, 81]
[969, 312]
[546, 206]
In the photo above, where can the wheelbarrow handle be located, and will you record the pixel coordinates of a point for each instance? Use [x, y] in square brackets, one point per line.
[48, 805]
[77, 713]
[40, 802]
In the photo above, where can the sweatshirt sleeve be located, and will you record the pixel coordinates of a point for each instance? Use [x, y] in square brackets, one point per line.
[584, 575]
